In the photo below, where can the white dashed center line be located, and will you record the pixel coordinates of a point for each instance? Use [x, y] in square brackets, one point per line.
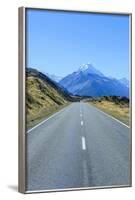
[81, 123]
[83, 143]
[80, 115]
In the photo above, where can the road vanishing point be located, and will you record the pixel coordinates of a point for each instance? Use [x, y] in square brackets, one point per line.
[78, 147]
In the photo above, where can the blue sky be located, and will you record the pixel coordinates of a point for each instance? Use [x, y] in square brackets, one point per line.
[59, 42]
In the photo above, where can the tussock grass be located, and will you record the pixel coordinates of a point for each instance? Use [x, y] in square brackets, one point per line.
[119, 111]
[42, 100]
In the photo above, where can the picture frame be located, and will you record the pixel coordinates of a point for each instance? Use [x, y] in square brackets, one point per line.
[23, 129]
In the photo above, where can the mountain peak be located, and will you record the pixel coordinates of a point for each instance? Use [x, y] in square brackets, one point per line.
[88, 68]
[84, 67]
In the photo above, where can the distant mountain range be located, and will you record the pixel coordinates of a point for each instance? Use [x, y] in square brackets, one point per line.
[88, 81]
[54, 77]
[124, 81]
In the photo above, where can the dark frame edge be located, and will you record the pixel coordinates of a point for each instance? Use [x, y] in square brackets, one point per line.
[21, 92]
[80, 11]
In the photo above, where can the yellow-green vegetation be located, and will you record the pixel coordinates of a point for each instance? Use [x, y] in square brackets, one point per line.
[119, 110]
[42, 100]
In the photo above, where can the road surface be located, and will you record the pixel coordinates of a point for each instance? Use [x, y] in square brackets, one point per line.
[78, 147]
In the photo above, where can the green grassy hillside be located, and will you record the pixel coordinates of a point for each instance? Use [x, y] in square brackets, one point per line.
[43, 97]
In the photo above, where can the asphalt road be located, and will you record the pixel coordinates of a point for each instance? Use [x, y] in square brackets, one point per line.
[78, 147]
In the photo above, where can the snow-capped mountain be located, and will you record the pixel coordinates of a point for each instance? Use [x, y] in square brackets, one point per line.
[88, 81]
[89, 69]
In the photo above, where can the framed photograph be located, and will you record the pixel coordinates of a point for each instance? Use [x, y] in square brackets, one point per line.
[75, 100]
